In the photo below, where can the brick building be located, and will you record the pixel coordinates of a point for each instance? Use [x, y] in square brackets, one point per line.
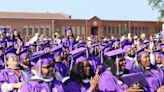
[49, 23]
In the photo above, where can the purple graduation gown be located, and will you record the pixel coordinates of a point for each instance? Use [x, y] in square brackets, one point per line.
[72, 43]
[155, 79]
[129, 64]
[41, 86]
[61, 68]
[8, 76]
[109, 83]
[73, 86]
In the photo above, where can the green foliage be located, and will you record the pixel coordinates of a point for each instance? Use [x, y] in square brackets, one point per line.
[158, 5]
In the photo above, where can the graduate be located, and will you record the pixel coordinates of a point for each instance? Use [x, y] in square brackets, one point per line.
[59, 65]
[130, 56]
[43, 80]
[110, 79]
[12, 77]
[25, 63]
[153, 76]
[82, 78]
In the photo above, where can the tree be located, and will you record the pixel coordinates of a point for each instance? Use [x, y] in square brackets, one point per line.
[158, 5]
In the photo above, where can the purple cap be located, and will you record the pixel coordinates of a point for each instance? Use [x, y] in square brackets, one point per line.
[57, 50]
[3, 30]
[114, 52]
[41, 55]
[126, 45]
[162, 46]
[23, 53]
[142, 51]
[43, 61]
[68, 31]
[2, 44]
[80, 59]
[78, 50]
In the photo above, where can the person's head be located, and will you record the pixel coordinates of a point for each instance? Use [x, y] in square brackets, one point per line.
[110, 64]
[25, 59]
[15, 33]
[81, 70]
[121, 63]
[45, 67]
[130, 52]
[12, 60]
[57, 56]
[158, 57]
[144, 60]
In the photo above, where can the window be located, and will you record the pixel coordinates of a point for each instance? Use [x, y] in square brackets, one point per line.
[78, 30]
[82, 30]
[48, 31]
[63, 30]
[30, 29]
[73, 30]
[42, 30]
[114, 30]
[8, 28]
[24, 30]
[36, 29]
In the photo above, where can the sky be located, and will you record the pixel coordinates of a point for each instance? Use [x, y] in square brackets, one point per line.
[86, 9]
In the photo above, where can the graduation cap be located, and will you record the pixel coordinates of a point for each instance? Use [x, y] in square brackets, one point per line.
[77, 53]
[8, 52]
[133, 78]
[126, 45]
[57, 50]
[161, 45]
[146, 42]
[43, 59]
[80, 59]
[39, 55]
[10, 42]
[3, 44]
[142, 51]
[68, 31]
[23, 53]
[114, 52]
[3, 30]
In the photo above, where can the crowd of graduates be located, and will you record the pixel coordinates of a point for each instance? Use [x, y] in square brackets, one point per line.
[81, 64]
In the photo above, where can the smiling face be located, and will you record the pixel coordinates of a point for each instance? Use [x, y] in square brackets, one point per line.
[47, 70]
[13, 61]
[158, 58]
[130, 52]
[86, 68]
[25, 60]
[122, 64]
[145, 61]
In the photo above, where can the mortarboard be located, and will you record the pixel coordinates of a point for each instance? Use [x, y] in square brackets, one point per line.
[80, 59]
[43, 59]
[3, 30]
[3, 44]
[133, 78]
[8, 52]
[114, 52]
[68, 31]
[126, 45]
[141, 51]
[57, 50]
[77, 53]
[161, 45]
[23, 53]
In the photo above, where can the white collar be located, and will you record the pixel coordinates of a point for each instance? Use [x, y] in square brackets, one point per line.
[40, 78]
[130, 58]
[86, 80]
